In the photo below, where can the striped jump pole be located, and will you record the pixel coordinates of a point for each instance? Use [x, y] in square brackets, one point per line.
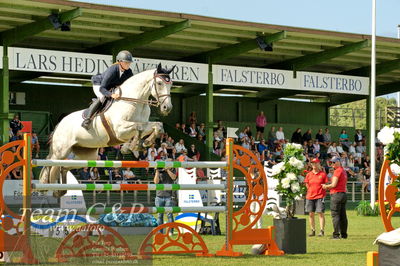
[131, 164]
[123, 187]
[128, 210]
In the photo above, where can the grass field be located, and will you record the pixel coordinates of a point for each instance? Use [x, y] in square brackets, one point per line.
[320, 250]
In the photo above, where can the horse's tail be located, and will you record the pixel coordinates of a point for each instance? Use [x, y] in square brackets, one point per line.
[50, 142]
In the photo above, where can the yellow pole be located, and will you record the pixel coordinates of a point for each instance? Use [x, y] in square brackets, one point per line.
[229, 191]
[27, 181]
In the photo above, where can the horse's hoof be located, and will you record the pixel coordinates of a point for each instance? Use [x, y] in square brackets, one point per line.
[59, 193]
[146, 144]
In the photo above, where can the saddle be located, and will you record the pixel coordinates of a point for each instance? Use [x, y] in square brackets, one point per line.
[102, 109]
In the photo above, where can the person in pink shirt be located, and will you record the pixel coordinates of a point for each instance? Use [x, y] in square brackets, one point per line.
[261, 122]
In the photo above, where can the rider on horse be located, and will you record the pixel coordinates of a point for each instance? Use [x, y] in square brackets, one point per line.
[103, 83]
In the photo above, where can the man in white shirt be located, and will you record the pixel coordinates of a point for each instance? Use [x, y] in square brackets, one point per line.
[180, 146]
[280, 136]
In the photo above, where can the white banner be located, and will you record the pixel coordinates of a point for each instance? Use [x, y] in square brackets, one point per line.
[51, 61]
[12, 193]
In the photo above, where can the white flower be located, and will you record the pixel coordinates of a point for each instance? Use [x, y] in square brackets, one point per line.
[277, 168]
[298, 197]
[297, 146]
[291, 176]
[395, 168]
[386, 135]
[295, 187]
[286, 183]
[293, 161]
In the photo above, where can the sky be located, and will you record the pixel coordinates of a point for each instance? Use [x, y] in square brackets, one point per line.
[352, 16]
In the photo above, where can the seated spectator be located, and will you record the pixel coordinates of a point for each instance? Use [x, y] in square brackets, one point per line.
[192, 130]
[170, 145]
[316, 146]
[116, 174]
[310, 148]
[128, 175]
[243, 136]
[352, 149]
[327, 138]
[249, 134]
[151, 156]
[151, 149]
[216, 148]
[272, 137]
[16, 173]
[221, 128]
[35, 144]
[363, 180]
[163, 148]
[143, 155]
[184, 129]
[94, 174]
[262, 147]
[344, 139]
[340, 149]
[117, 150]
[280, 135]
[332, 150]
[180, 146]
[178, 126]
[361, 149]
[358, 137]
[307, 136]
[201, 130]
[15, 126]
[183, 157]
[268, 158]
[366, 162]
[84, 174]
[253, 145]
[296, 136]
[246, 143]
[192, 118]
[173, 155]
[352, 163]
[192, 152]
[102, 155]
[201, 139]
[161, 156]
[319, 136]
[278, 153]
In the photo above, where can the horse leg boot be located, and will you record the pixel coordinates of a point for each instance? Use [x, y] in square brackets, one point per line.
[92, 111]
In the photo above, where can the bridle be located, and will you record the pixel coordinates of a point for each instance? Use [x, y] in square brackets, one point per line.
[156, 103]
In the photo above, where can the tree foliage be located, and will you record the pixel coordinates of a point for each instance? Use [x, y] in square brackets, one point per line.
[354, 114]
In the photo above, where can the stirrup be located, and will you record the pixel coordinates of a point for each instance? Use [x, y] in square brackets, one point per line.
[86, 123]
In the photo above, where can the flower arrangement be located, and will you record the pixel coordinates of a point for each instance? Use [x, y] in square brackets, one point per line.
[390, 137]
[288, 173]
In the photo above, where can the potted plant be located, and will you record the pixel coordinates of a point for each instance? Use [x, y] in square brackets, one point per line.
[290, 231]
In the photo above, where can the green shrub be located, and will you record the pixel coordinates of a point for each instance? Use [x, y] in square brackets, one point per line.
[364, 208]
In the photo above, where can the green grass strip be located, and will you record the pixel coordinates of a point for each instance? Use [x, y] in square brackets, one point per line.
[109, 164]
[160, 209]
[107, 186]
[176, 187]
[159, 186]
[90, 186]
[91, 163]
[160, 164]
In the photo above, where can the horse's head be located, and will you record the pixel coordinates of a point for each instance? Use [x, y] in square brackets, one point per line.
[161, 88]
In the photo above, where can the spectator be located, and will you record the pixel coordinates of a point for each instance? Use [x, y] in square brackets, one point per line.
[183, 157]
[164, 198]
[319, 136]
[280, 136]
[253, 146]
[170, 145]
[15, 125]
[358, 137]
[261, 122]
[152, 149]
[272, 138]
[130, 176]
[249, 134]
[310, 148]
[201, 130]
[35, 144]
[84, 174]
[332, 150]
[243, 136]
[216, 148]
[143, 155]
[102, 155]
[307, 136]
[178, 126]
[16, 173]
[192, 118]
[327, 138]
[116, 174]
[262, 147]
[246, 143]
[192, 130]
[192, 152]
[296, 136]
[344, 138]
[315, 196]
[352, 149]
[338, 200]
[366, 162]
[163, 148]
[221, 128]
[173, 156]
[268, 158]
[151, 156]
[94, 174]
[316, 146]
[180, 146]
[339, 148]
[117, 150]
[161, 156]
[361, 149]
[184, 129]
[201, 139]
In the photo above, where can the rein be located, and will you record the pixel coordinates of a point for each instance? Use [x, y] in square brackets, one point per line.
[156, 103]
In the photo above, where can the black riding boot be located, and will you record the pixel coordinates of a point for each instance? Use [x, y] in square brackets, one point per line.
[92, 111]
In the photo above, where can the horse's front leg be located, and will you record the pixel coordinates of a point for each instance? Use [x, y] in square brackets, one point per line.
[152, 130]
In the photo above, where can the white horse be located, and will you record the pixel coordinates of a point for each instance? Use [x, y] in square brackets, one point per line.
[128, 120]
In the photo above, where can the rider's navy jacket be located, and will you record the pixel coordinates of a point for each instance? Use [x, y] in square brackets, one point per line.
[111, 79]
